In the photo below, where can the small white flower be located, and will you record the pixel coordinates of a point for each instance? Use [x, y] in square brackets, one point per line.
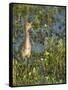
[47, 53]
[41, 59]
[45, 25]
[34, 70]
[29, 73]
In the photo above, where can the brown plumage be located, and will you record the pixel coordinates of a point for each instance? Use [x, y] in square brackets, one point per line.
[26, 46]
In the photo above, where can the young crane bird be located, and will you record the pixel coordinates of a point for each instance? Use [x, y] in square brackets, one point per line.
[26, 46]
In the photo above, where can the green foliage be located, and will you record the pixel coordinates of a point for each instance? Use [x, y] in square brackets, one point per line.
[47, 67]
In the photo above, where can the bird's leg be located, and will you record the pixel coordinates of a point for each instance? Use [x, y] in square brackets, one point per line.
[27, 66]
[26, 60]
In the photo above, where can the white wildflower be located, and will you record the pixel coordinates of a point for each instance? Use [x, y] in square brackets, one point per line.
[45, 25]
[29, 73]
[41, 59]
[34, 70]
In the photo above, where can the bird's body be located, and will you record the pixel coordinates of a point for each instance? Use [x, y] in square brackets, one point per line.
[26, 46]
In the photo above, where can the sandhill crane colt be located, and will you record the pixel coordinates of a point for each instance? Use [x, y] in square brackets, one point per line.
[26, 46]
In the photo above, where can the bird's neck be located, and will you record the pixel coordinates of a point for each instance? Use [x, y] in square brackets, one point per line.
[26, 40]
[26, 34]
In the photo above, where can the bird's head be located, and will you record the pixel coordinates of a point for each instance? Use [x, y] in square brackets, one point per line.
[28, 26]
[28, 23]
